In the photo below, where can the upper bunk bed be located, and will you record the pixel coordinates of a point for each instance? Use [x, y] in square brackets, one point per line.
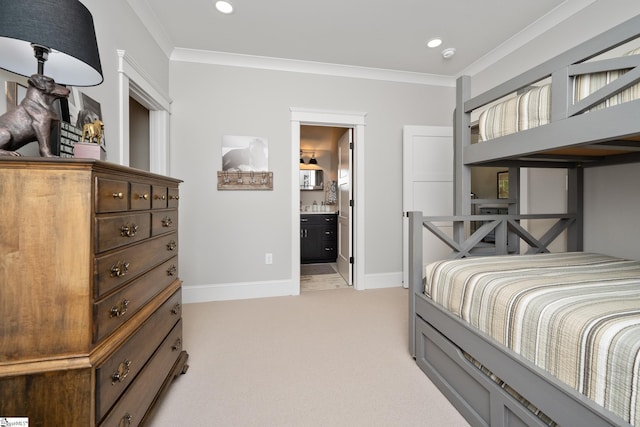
[587, 115]
[577, 110]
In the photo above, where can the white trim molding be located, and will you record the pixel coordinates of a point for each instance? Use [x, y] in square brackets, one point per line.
[310, 67]
[356, 121]
[134, 82]
[234, 291]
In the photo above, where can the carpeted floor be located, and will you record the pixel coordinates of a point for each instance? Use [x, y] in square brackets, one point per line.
[336, 358]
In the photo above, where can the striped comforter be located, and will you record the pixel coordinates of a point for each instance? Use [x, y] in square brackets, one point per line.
[532, 108]
[576, 315]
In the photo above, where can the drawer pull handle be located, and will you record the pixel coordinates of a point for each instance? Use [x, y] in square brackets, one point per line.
[158, 197]
[118, 195]
[176, 309]
[120, 269]
[172, 245]
[120, 309]
[304, 220]
[172, 197]
[121, 373]
[144, 196]
[167, 221]
[328, 249]
[128, 230]
[177, 346]
[172, 270]
[125, 421]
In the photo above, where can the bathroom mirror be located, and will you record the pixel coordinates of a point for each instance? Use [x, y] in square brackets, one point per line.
[311, 180]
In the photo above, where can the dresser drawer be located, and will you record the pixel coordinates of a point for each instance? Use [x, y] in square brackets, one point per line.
[117, 268]
[119, 230]
[159, 198]
[115, 374]
[318, 219]
[164, 222]
[111, 195]
[140, 196]
[112, 311]
[174, 196]
[130, 409]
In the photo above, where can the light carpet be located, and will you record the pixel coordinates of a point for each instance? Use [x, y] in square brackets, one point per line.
[334, 358]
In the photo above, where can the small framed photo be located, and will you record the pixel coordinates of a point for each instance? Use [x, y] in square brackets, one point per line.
[503, 185]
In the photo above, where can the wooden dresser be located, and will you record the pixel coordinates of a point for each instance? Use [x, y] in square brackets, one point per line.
[90, 299]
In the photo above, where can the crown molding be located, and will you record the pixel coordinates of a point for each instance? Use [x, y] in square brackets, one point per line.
[531, 32]
[309, 67]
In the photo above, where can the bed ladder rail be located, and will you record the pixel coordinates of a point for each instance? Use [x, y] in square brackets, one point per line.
[507, 230]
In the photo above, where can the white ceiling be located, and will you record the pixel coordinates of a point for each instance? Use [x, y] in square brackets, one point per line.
[379, 34]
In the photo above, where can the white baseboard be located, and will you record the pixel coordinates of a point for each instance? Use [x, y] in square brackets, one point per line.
[383, 280]
[274, 288]
[233, 291]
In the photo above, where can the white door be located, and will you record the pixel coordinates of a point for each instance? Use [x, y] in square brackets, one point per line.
[345, 237]
[427, 186]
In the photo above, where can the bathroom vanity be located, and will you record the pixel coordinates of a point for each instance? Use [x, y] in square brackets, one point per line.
[318, 237]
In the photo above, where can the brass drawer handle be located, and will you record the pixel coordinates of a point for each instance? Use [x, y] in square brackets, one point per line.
[144, 196]
[121, 373]
[128, 230]
[172, 270]
[120, 309]
[161, 197]
[125, 421]
[176, 309]
[118, 195]
[172, 245]
[120, 269]
[172, 197]
[177, 346]
[167, 221]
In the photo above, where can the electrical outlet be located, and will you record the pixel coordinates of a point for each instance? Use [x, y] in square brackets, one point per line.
[268, 258]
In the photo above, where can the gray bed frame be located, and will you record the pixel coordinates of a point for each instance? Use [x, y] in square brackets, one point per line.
[437, 339]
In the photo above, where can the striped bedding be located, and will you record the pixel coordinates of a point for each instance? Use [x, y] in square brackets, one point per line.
[533, 107]
[576, 315]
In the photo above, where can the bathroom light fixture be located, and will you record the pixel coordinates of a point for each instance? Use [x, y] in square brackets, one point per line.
[434, 42]
[312, 160]
[448, 52]
[224, 7]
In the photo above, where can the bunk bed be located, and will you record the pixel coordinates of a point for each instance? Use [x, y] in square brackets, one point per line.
[487, 378]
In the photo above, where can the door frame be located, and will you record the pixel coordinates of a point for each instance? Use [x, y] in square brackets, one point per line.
[347, 119]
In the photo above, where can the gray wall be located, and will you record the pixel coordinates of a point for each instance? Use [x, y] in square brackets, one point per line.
[225, 234]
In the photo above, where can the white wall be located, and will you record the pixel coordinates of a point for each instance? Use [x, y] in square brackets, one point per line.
[225, 234]
[612, 198]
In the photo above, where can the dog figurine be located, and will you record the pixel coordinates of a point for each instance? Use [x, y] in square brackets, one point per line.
[32, 119]
[92, 131]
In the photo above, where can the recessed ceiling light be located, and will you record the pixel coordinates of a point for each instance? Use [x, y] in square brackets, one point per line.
[434, 42]
[224, 7]
[448, 52]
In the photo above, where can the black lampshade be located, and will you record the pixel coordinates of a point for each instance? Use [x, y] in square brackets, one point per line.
[63, 26]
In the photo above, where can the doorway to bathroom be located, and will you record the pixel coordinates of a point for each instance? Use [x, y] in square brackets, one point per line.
[325, 220]
[349, 189]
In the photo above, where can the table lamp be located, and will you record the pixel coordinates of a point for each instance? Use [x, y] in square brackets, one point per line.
[59, 32]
